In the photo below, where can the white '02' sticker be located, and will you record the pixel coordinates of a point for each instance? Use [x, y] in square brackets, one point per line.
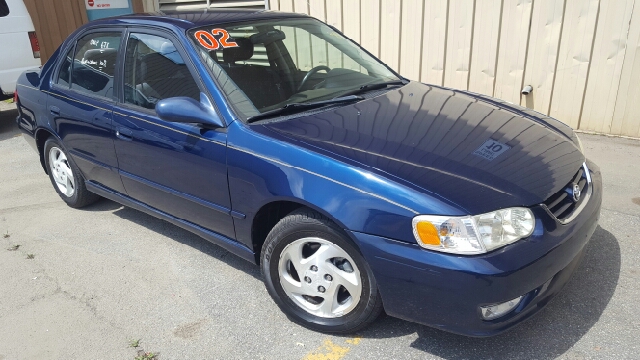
[491, 149]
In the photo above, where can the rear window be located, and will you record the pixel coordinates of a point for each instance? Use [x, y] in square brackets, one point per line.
[95, 62]
[4, 8]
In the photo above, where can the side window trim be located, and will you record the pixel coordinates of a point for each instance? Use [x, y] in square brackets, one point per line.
[56, 74]
[71, 61]
[179, 47]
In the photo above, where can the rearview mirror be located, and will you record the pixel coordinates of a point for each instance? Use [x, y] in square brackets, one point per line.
[186, 110]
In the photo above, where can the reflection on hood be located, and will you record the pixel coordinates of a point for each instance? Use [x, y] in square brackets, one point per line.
[478, 152]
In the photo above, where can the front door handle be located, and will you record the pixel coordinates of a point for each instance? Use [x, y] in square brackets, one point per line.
[54, 110]
[124, 133]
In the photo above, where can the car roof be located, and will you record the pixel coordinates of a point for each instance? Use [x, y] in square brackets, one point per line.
[190, 19]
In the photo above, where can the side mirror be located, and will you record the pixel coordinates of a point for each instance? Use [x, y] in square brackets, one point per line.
[186, 110]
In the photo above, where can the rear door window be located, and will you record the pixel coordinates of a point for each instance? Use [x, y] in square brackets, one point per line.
[4, 8]
[94, 63]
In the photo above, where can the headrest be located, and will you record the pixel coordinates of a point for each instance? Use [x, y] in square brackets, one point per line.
[104, 58]
[155, 66]
[100, 54]
[169, 50]
[167, 47]
[244, 51]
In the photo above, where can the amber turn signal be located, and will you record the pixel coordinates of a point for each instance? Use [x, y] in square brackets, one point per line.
[428, 233]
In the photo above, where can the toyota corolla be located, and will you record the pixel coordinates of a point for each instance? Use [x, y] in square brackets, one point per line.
[286, 143]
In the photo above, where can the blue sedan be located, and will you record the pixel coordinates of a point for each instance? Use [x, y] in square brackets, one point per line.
[352, 188]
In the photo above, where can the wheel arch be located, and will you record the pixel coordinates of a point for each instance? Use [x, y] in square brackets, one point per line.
[272, 212]
[41, 136]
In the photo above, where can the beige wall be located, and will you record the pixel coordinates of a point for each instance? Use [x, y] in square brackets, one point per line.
[54, 21]
[582, 57]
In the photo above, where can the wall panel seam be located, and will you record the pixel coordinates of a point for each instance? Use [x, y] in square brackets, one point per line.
[526, 51]
[422, 8]
[586, 82]
[379, 28]
[399, 37]
[495, 64]
[446, 44]
[555, 67]
[473, 29]
[624, 58]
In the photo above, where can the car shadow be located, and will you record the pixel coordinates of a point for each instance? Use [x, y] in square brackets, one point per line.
[549, 334]
[176, 233]
[8, 126]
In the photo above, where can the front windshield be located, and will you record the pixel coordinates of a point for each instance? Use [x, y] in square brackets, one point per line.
[265, 65]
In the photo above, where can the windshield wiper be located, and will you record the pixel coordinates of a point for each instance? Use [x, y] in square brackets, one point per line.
[375, 86]
[299, 107]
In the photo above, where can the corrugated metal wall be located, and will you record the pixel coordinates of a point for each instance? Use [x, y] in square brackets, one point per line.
[582, 57]
[203, 4]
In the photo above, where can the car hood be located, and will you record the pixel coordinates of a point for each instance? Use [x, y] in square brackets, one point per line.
[477, 152]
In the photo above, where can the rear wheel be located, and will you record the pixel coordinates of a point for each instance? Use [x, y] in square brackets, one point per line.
[65, 176]
[317, 276]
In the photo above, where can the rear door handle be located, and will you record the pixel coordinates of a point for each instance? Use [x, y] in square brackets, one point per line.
[124, 133]
[54, 110]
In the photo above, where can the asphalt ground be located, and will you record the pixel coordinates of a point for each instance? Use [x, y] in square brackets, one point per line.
[103, 276]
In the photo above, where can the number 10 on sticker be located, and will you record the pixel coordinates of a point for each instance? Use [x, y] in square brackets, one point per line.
[210, 42]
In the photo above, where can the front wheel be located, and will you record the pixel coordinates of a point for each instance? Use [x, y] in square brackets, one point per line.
[317, 276]
[65, 176]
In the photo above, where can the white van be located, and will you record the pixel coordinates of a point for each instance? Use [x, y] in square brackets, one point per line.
[19, 49]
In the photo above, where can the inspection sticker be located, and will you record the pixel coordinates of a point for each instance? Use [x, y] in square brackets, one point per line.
[491, 149]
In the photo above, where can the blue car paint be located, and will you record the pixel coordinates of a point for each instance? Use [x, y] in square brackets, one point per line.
[445, 290]
[367, 166]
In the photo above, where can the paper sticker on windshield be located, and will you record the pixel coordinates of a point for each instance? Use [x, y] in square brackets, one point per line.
[214, 39]
[491, 149]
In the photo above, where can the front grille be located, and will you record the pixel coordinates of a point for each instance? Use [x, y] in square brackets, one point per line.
[562, 204]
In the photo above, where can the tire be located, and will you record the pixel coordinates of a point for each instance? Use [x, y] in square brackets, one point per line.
[65, 176]
[318, 248]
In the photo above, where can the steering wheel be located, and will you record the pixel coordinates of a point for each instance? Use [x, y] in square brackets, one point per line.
[311, 72]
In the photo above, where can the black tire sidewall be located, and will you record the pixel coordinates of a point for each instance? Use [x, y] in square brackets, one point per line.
[73, 199]
[270, 261]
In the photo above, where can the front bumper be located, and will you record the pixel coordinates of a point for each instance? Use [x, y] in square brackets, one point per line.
[445, 291]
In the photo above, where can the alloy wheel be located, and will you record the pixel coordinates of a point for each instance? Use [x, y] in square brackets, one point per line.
[61, 171]
[320, 277]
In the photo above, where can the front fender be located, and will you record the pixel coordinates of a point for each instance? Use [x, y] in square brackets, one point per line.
[264, 168]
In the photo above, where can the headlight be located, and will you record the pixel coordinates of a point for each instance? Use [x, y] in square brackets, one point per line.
[470, 235]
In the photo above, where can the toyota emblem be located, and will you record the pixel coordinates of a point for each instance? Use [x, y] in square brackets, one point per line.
[576, 192]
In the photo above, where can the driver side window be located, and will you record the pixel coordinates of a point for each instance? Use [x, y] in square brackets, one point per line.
[155, 70]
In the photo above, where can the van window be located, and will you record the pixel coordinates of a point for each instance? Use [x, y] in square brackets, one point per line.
[4, 8]
[95, 62]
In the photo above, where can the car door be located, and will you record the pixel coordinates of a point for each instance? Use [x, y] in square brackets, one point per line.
[81, 100]
[177, 168]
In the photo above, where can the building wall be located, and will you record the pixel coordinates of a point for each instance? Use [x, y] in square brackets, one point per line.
[211, 4]
[582, 57]
[54, 21]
